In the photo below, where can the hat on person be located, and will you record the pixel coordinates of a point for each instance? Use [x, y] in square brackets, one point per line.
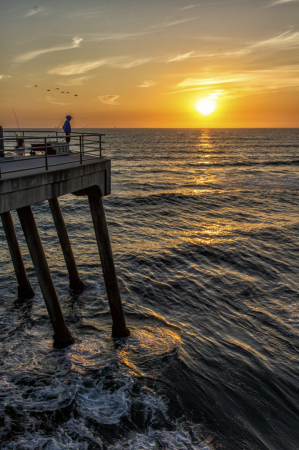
[68, 117]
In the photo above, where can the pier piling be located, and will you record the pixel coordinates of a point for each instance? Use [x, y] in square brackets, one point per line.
[24, 289]
[119, 328]
[75, 281]
[62, 336]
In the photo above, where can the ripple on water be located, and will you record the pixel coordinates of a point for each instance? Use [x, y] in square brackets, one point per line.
[87, 390]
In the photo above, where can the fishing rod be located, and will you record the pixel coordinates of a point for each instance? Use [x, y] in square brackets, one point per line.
[80, 129]
[16, 119]
[20, 140]
[88, 125]
[59, 124]
[84, 127]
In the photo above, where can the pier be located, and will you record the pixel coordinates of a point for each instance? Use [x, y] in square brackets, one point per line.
[40, 166]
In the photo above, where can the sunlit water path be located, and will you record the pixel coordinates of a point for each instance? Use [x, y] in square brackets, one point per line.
[204, 226]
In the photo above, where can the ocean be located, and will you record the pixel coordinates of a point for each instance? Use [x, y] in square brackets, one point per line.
[204, 227]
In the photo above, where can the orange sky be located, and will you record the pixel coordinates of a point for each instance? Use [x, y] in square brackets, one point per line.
[146, 64]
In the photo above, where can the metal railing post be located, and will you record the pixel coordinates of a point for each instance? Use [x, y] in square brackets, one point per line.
[46, 154]
[100, 146]
[1, 142]
[80, 139]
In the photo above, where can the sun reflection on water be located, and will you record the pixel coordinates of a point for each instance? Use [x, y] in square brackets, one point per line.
[205, 139]
[209, 234]
[145, 343]
[206, 179]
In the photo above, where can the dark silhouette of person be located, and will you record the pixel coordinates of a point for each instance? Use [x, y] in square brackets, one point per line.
[67, 128]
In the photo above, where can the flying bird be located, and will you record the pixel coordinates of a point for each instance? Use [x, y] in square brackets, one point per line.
[48, 90]
[61, 92]
[75, 95]
[35, 85]
[56, 88]
[67, 92]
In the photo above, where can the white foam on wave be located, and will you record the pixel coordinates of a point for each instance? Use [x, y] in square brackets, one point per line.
[93, 375]
[55, 443]
[154, 439]
[105, 405]
[76, 436]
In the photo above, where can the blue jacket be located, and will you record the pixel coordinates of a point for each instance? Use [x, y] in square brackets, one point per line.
[67, 126]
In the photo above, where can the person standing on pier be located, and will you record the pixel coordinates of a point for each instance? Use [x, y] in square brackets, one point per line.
[67, 128]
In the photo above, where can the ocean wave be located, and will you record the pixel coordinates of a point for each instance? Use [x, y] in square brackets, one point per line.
[246, 163]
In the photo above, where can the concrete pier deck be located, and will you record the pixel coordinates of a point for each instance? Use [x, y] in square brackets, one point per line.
[25, 180]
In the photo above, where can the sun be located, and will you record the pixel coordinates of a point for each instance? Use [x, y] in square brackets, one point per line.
[206, 106]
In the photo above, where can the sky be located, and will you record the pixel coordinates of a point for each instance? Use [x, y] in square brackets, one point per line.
[146, 64]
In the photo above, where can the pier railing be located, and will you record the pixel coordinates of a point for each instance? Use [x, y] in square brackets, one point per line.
[40, 147]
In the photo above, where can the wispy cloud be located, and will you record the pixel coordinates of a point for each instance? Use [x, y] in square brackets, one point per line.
[215, 95]
[244, 83]
[4, 77]
[172, 22]
[108, 99]
[54, 101]
[288, 40]
[132, 63]
[147, 83]
[280, 2]
[35, 53]
[98, 37]
[183, 8]
[285, 40]
[74, 82]
[210, 3]
[180, 57]
[80, 68]
[213, 81]
[35, 10]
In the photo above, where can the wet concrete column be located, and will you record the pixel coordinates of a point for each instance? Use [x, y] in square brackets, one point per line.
[119, 328]
[24, 289]
[75, 282]
[62, 336]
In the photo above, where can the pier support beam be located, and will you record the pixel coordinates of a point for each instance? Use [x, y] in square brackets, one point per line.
[75, 282]
[24, 289]
[62, 336]
[119, 328]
